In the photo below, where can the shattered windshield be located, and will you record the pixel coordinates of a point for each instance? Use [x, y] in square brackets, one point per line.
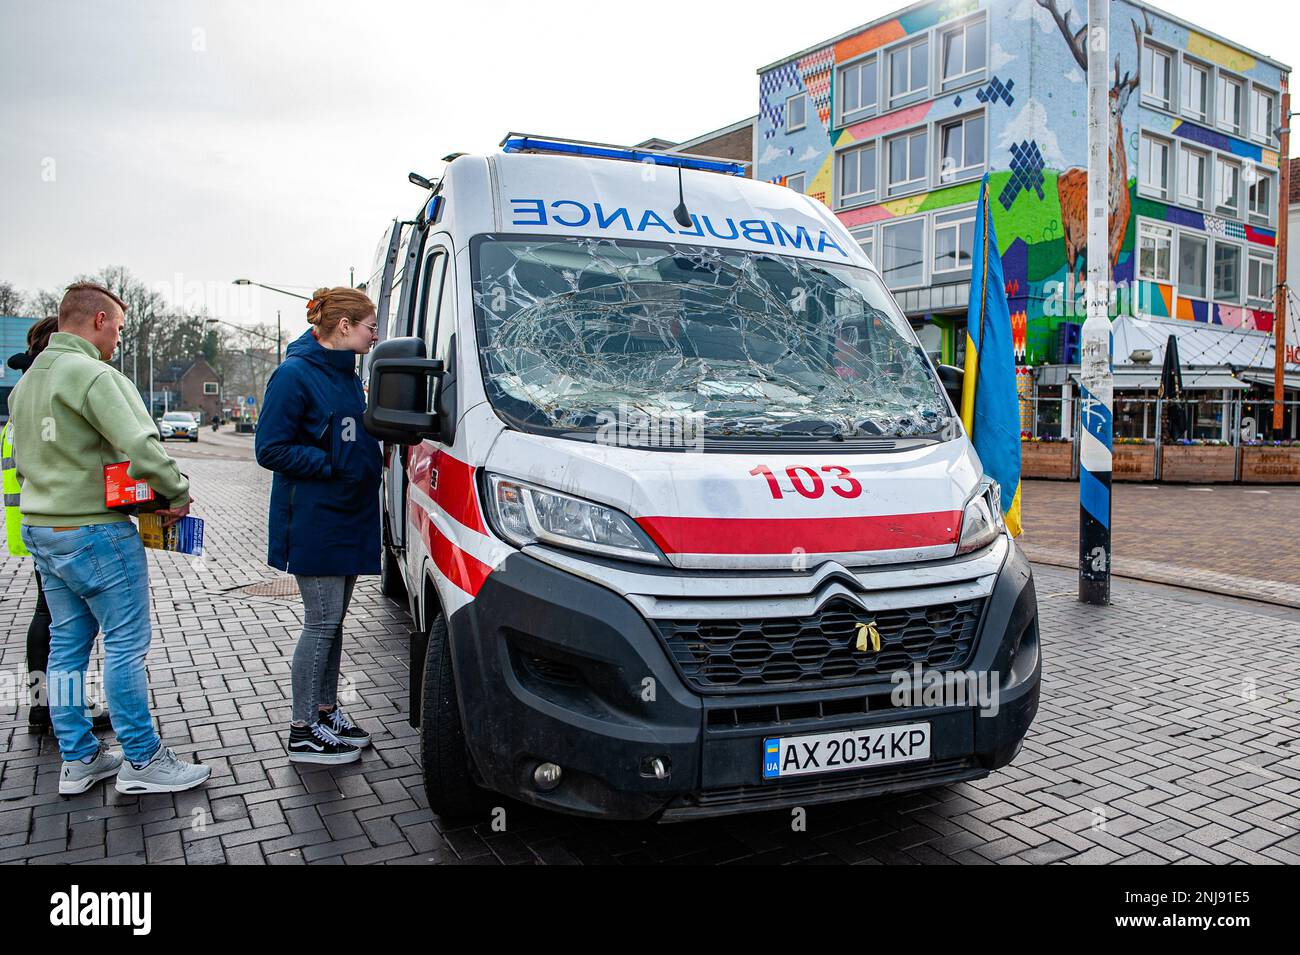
[573, 331]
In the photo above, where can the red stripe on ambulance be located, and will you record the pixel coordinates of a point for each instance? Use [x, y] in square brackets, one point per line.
[818, 535]
[456, 564]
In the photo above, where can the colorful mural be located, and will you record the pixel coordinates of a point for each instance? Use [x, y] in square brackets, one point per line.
[1030, 91]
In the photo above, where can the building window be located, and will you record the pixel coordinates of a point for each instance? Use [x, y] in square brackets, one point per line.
[209, 387]
[1259, 196]
[858, 174]
[964, 51]
[1194, 84]
[1227, 187]
[796, 112]
[954, 240]
[1227, 272]
[795, 181]
[1261, 114]
[961, 148]
[857, 90]
[1157, 70]
[1192, 164]
[909, 73]
[1259, 278]
[1228, 105]
[906, 158]
[866, 238]
[903, 253]
[1192, 253]
[1154, 163]
[1155, 250]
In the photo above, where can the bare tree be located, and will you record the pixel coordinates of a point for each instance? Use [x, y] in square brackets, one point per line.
[12, 301]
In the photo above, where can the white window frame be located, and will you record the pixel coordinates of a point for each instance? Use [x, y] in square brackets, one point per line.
[1148, 98]
[948, 84]
[1184, 236]
[862, 196]
[925, 250]
[1145, 227]
[209, 387]
[1225, 78]
[916, 183]
[1184, 198]
[962, 173]
[845, 117]
[1241, 283]
[790, 99]
[959, 217]
[1252, 258]
[1261, 135]
[1221, 160]
[802, 180]
[864, 236]
[1166, 192]
[894, 99]
[1186, 65]
[1267, 217]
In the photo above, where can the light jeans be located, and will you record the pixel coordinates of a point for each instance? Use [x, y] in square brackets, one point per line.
[316, 660]
[96, 578]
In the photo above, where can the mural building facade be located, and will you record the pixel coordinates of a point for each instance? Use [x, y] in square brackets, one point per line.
[892, 125]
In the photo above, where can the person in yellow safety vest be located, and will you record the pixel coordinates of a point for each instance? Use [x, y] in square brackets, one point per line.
[38, 630]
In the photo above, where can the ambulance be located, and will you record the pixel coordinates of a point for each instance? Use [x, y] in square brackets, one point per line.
[683, 514]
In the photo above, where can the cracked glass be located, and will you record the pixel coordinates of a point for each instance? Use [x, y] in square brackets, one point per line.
[573, 331]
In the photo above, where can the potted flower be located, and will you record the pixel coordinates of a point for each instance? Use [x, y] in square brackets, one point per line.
[1270, 462]
[1198, 461]
[1046, 457]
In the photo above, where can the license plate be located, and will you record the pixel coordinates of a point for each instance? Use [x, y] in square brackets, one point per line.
[850, 749]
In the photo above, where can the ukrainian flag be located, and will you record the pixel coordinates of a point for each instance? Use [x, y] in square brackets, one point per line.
[990, 407]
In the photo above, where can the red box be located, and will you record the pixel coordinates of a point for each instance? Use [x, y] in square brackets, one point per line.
[121, 490]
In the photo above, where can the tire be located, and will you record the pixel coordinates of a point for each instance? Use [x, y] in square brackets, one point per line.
[390, 575]
[193, 439]
[448, 778]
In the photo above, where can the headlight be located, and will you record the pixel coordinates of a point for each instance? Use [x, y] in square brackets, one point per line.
[526, 514]
[982, 522]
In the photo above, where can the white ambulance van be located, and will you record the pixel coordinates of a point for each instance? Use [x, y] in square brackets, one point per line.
[684, 515]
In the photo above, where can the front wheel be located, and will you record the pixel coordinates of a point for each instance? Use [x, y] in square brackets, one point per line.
[448, 779]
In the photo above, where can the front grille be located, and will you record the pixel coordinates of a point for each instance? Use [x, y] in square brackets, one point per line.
[785, 652]
[833, 788]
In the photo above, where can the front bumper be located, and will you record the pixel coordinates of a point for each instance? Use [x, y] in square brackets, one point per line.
[554, 668]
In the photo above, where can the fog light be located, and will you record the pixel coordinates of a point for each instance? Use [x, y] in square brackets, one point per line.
[547, 776]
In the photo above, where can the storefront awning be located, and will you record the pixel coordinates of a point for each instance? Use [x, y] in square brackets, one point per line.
[1290, 379]
[1146, 378]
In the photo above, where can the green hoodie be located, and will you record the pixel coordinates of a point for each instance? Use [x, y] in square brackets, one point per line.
[72, 414]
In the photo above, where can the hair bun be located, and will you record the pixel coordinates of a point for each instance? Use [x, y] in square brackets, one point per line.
[315, 305]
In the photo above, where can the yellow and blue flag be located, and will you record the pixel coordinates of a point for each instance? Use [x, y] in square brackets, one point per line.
[990, 406]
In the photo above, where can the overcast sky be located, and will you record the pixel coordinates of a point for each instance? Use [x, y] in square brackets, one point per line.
[196, 142]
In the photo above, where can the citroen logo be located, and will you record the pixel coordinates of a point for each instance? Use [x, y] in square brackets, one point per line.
[867, 635]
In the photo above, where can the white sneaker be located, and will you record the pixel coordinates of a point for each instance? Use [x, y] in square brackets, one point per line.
[78, 775]
[165, 773]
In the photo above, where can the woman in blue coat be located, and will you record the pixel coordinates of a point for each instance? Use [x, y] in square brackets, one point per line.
[324, 522]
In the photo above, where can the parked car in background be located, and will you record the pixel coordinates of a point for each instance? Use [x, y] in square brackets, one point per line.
[178, 424]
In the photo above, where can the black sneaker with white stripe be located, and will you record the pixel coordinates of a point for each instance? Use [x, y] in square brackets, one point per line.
[341, 725]
[318, 744]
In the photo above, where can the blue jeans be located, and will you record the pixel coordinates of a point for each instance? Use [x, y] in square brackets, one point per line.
[96, 578]
[320, 645]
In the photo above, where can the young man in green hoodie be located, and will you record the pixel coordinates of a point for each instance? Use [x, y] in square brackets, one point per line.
[73, 413]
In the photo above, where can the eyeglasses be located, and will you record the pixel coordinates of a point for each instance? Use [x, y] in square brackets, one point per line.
[374, 328]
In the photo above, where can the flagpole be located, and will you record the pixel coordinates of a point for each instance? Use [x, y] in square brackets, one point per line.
[1096, 378]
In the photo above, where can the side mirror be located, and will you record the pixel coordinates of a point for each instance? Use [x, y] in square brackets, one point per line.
[952, 377]
[398, 407]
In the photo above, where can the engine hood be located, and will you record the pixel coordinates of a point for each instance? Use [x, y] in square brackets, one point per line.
[764, 510]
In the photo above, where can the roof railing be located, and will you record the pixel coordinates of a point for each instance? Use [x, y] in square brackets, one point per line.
[529, 143]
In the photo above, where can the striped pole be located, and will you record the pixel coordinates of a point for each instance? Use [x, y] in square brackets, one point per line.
[1096, 378]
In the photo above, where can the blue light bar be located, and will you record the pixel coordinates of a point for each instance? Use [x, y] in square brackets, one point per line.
[518, 144]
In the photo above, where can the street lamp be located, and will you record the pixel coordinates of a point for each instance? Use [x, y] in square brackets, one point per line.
[248, 331]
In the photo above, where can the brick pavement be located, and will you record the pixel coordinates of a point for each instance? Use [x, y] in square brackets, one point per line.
[1167, 733]
[1229, 539]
